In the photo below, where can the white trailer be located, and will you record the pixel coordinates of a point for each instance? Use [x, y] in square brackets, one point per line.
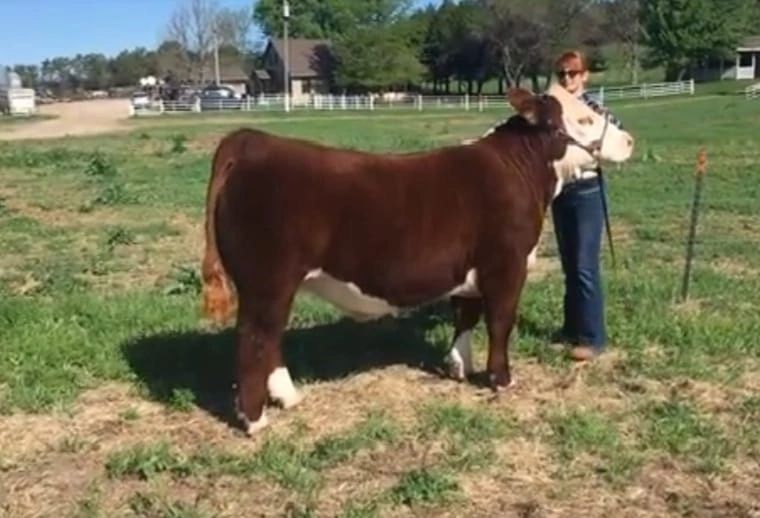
[14, 99]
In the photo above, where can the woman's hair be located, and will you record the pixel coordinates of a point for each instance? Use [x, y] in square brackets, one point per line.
[574, 59]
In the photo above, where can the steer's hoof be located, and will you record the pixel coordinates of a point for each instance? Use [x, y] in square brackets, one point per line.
[456, 367]
[501, 382]
[253, 427]
[455, 370]
[257, 426]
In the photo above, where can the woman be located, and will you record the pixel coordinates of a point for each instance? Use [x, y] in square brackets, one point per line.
[578, 223]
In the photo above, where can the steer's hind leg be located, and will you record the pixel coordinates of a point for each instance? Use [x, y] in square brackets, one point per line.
[501, 294]
[261, 323]
[280, 384]
[467, 312]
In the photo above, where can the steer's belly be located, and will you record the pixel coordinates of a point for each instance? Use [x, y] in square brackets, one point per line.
[350, 299]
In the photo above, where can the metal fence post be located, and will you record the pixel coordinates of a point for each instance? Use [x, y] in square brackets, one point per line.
[699, 179]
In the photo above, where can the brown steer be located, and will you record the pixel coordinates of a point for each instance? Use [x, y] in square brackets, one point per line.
[374, 233]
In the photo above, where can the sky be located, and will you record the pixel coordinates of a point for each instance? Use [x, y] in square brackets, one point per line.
[69, 27]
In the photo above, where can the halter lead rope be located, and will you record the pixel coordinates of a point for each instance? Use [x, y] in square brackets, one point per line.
[602, 197]
[593, 149]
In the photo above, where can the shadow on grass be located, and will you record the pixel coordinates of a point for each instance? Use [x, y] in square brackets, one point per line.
[203, 362]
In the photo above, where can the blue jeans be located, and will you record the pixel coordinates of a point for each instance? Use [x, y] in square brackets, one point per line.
[578, 223]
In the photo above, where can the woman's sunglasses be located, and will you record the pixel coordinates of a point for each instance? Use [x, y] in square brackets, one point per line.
[568, 73]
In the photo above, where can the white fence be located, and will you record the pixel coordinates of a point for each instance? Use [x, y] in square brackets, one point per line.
[752, 91]
[645, 91]
[317, 102]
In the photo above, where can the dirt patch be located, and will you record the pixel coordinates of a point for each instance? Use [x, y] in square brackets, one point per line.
[74, 118]
[735, 268]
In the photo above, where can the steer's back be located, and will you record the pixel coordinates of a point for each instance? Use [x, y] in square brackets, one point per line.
[402, 227]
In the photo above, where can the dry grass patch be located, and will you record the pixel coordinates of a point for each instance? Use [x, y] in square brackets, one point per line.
[734, 267]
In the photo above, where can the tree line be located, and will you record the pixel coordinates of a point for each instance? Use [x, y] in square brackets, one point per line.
[385, 44]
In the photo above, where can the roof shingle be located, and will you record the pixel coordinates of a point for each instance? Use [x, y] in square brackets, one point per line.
[750, 42]
[308, 57]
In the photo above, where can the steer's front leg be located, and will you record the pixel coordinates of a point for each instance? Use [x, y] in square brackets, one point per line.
[254, 358]
[260, 369]
[501, 293]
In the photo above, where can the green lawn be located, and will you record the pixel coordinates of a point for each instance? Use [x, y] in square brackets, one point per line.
[114, 397]
[8, 122]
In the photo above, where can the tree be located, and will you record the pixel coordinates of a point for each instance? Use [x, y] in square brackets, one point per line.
[233, 27]
[622, 21]
[326, 18]
[372, 58]
[130, 65]
[527, 34]
[514, 29]
[192, 25]
[96, 73]
[29, 75]
[683, 33]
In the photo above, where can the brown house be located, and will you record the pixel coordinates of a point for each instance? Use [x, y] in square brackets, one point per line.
[311, 66]
[232, 73]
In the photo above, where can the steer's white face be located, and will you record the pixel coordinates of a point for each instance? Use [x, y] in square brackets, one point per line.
[587, 126]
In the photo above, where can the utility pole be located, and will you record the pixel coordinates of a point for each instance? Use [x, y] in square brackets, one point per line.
[286, 16]
[216, 55]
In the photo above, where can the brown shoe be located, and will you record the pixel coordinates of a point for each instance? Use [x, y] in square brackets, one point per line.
[583, 353]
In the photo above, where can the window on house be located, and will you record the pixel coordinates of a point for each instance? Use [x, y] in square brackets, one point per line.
[745, 59]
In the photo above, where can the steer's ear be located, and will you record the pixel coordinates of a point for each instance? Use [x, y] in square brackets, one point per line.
[524, 103]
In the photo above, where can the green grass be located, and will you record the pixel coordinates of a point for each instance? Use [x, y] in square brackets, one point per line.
[580, 433]
[99, 282]
[7, 122]
[290, 462]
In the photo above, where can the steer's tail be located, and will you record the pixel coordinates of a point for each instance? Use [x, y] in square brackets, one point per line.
[219, 298]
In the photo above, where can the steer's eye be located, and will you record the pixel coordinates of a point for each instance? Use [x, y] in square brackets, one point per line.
[585, 121]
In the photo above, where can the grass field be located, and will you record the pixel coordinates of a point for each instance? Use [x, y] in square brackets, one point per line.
[114, 398]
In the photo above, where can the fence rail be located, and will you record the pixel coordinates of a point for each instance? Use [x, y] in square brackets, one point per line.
[752, 91]
[645, 91]
[320, 102]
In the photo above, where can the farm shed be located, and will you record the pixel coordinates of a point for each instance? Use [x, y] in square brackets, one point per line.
[748, 58]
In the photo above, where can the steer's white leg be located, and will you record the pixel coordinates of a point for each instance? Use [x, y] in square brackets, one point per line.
[532, 257]
[459, 358]
[251, 428]
[281, 388]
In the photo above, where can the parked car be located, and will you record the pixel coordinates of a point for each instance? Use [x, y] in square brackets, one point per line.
[219, 98]
[140, 100]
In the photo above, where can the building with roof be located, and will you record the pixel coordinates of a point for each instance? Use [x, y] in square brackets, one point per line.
[311, 66]
[232, 73]
[748, 58]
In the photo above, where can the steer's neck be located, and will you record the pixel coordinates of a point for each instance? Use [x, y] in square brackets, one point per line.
[532, 153]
